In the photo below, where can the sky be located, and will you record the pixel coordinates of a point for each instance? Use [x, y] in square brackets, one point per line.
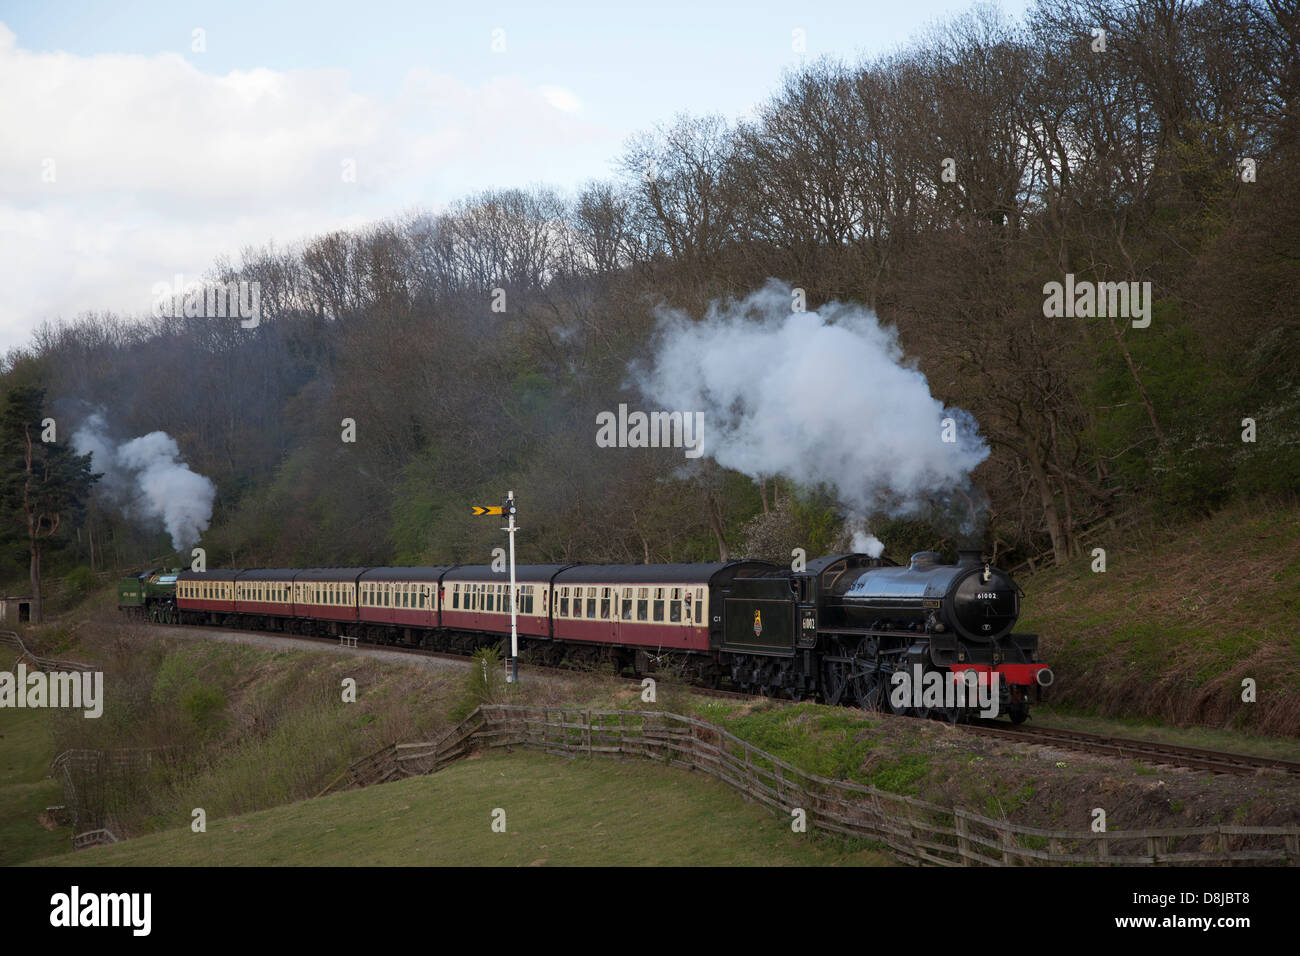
[140, 141]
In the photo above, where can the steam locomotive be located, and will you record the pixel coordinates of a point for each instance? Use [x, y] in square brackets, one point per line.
[848, 628]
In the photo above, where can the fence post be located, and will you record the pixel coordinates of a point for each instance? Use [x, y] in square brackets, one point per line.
[963, 834]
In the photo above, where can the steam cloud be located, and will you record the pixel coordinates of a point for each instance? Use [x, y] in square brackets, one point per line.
[148, 480]
[822, 398]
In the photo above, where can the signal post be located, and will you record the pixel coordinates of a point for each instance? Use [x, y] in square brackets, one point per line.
[508, 509]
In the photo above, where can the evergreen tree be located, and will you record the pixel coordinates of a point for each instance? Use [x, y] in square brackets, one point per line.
[44, 484]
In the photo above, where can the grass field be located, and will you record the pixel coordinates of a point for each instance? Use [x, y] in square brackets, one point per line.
[557, 812]
[26, 747]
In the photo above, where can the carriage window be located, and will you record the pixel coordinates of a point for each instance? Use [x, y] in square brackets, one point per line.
[675, 606]
[604, 604]
[591, 603]
[642, 604]
[564, 602]
[699, 605]
[455, 597]
[626, 613]
[659, 604]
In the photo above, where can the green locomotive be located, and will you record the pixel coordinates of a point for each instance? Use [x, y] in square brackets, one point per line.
[149, 595]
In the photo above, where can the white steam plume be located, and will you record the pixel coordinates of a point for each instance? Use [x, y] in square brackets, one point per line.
[822, 398]
[147, 479]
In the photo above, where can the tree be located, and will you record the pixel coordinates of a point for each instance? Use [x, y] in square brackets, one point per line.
[45, 484]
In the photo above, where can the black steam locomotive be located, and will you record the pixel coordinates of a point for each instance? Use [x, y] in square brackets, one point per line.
[926, 639]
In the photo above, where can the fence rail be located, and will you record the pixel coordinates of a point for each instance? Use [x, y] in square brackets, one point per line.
[914, 830]
[103, 835]
[12, 639]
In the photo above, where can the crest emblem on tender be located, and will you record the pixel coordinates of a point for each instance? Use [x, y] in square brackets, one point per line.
[758, 623]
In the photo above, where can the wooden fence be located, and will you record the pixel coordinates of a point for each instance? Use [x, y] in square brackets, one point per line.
[913, 830]
[12, 639]
[90, 779]
[1047, 558]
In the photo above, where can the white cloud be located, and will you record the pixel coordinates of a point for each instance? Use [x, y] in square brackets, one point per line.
[159, 167]
[561, 98]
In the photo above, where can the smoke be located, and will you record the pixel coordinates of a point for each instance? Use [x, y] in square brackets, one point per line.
[147, 480]
[824, 398]
[865, 542]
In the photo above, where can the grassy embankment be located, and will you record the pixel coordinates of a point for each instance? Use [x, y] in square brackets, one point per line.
[1178, 620]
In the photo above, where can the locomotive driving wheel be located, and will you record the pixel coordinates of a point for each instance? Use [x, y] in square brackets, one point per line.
[864, 685]
[905, 707]
[834, 680]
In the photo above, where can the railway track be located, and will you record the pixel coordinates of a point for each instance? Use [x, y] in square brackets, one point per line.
[1149, 751]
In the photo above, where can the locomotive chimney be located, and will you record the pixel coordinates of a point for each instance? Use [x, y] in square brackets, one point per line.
[969, 556]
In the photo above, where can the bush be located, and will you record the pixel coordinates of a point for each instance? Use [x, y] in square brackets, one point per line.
[79, 582]
[202, 704]
[485, 682]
